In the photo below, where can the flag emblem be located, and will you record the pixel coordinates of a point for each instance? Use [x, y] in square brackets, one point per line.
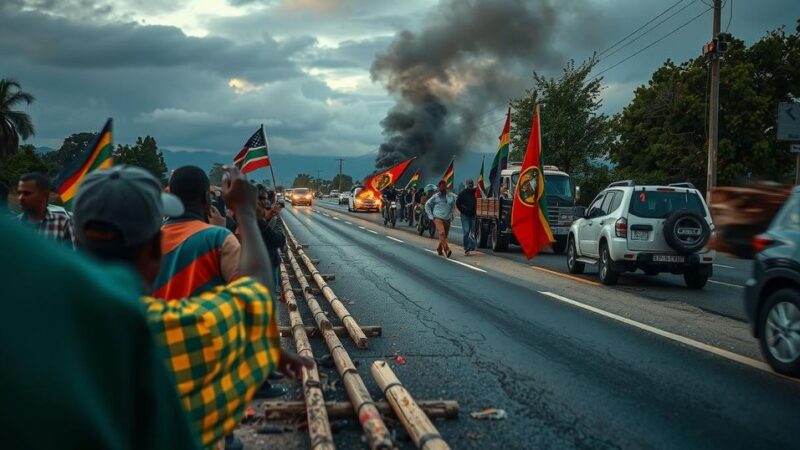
[529, 186]
[382, 182]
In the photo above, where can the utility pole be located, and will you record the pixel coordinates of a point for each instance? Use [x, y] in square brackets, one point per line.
[341, 161]
[713, 114]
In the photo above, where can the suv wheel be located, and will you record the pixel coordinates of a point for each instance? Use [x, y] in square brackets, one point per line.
[608, 274]
[695, 280]
[780, 331]
[573, 265]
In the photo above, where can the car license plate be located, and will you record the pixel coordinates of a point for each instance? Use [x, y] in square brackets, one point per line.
[560, 231]
[669, 258]
[639, 235]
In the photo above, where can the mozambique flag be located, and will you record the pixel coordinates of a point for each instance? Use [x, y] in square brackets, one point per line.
[480, 188]
[500, 161]
[378, 182]
[450, 175]
[529, 212]
[96, 156]
[254, 154]
[414, 180]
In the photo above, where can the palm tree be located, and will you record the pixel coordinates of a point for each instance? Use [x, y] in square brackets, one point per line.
[13, 124]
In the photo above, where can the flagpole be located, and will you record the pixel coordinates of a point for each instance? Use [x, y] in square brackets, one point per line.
[274, 183]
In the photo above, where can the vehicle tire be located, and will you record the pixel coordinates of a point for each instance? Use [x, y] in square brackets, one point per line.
[779, 325]
[686, 242]
[573, 265]
[497, 242]
[605, 267]
[558, 247]
[695, 280]
[481, 234]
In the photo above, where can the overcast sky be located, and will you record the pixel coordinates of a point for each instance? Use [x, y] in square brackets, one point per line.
[203, 74]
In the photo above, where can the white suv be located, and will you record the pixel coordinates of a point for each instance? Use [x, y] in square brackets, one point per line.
[652, 228]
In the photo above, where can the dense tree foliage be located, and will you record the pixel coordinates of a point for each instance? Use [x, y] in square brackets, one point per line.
[145, 154]
[13, 124]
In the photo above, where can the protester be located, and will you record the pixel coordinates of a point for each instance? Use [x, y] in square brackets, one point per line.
[197, 254]
[466, 205]
[410, 200]
[81, 368]
[439, 208]
[271, 232]
[220, 344]
[401, 198]
[33, 193]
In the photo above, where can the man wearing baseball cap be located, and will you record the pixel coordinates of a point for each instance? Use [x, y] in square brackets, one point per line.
[221, 344]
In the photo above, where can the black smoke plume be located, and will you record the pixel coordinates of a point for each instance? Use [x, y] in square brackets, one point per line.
[469, 56]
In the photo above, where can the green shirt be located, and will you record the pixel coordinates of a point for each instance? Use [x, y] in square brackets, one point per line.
[80, 366]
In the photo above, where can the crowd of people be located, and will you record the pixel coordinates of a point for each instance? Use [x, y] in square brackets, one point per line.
[144, 319]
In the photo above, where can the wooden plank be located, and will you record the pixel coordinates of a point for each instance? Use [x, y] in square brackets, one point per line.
[369, 330]
[285, 410]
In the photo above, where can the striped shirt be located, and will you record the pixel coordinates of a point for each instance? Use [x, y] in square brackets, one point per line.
[197, 257]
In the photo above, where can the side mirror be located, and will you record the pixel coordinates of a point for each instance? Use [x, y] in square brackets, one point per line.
[579, 212]
[577, 193]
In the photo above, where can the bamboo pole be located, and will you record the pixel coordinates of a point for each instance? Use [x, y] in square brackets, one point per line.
[375, 429]
[285, 410]
[319, 427]
[369, 330]
[413, 418]
[337, 306]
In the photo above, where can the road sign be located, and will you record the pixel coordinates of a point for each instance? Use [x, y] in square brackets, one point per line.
[789, 121]
[794, 148]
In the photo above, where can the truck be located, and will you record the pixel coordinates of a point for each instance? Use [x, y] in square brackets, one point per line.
[493, 215]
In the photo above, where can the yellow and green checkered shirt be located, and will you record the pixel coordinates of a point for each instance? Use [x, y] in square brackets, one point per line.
[221, 346]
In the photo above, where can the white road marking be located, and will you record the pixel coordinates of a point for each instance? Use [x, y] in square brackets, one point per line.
[335, 218]
[726, 284]
[395, 239]
[361, 227]
[723, 266]
[457, 262]
[373, 232]
[666, 334]
[349, 223]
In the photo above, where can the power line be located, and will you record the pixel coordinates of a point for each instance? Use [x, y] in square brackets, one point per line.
[730, 15]
[637, 30]
[652, 43]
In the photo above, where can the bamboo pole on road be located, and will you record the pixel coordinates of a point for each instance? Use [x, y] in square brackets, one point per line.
[369, 330]
[319, 427]
[337, 306]
[375, 429]
[286, 409]
[413, 418]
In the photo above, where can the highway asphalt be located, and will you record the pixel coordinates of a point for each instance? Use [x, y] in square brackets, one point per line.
[567, 375]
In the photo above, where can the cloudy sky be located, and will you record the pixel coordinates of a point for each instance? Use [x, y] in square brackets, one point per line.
[203, 74]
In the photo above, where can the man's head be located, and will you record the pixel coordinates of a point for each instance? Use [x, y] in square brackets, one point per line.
[470, 184]
[442, 186]
[33, 193]
[191, 185]
[118, 215]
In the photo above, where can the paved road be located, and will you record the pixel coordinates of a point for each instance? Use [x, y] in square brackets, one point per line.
[722, 295]
[568, 377]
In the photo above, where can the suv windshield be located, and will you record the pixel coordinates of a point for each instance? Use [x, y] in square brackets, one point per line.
[651, 204]
[300, 191]
[555, 185]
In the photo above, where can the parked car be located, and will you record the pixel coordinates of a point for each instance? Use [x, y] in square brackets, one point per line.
[364, 203]
[650, 228]
[344, 197]
[772, 294]
[302, 196]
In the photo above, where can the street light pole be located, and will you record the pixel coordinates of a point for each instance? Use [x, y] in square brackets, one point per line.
[341, 161]
[713, 114]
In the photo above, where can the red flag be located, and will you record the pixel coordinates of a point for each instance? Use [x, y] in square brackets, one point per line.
[375, 184]
[527, 219]
[480, 189]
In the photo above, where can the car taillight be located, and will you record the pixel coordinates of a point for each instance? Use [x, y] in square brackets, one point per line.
[761, 242]
[621, 227]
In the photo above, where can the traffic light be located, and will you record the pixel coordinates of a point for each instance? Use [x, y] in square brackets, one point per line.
[718, 45]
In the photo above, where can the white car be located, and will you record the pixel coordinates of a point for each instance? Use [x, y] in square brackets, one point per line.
[334, 194]
[650, 228]
[356, 204]
[344, 197]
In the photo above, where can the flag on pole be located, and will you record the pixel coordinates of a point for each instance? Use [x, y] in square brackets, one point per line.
[97, 155]
[414, 180]
[529, 212]
[450, 175]
[500, 161]
[378, 182]
[254, 154]
[480, 188]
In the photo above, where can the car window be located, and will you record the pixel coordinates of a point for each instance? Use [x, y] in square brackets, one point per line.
[595, 206]
[788, 218]
[653, 204]
[615, 202]
[606, 207]
[301, 191]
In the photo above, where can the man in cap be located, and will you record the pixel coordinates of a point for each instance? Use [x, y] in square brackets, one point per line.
[466, 205]
[220, 344]
[439, 208]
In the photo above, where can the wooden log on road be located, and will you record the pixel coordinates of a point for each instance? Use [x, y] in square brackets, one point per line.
[413, 418]
[319, 427]
[286, 410]
[369, 330]
[369, 417]
[327, 276]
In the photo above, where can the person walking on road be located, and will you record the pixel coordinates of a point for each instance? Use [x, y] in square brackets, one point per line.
[439, 208]
[466, 205]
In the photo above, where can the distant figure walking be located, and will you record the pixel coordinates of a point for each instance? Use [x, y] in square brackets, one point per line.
[439, 208]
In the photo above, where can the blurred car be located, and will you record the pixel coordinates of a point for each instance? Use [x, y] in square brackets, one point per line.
[344, 198]
[772, 294]
[334, 194]
[287, 194]
[302, 196]
[362, 203]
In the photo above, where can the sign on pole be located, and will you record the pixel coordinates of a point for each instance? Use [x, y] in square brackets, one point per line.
[788, 121]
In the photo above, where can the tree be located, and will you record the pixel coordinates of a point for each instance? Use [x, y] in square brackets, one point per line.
[215, 174]
[575, 135]
[13, 124]
[303, 180]
[346, 182]
[145, 154]
[72, 148]
[26, 160]
[662, 132]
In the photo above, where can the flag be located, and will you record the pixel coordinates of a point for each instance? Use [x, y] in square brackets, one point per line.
[500, 161]
[375, 184]
[480, 188]
[414, 180]
[529, 212]
[449, 175]
[254, 154]
[96, 156]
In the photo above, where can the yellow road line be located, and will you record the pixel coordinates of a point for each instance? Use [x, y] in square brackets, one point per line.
[567, 276]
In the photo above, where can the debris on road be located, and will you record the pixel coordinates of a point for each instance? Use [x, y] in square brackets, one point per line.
[489, 414]
[400, 360]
